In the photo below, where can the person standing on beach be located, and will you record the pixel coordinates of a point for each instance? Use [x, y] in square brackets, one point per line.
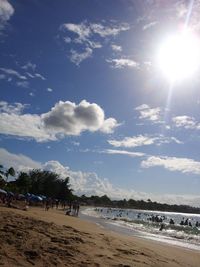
[77, 208]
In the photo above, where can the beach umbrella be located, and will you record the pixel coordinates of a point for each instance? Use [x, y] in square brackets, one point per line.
[21, 196]
[3, 192]
[10, 193]
[35, 198]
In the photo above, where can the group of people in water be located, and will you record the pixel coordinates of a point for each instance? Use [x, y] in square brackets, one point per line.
[120, 213]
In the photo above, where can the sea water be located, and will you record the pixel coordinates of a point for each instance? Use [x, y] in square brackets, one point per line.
[139, 223]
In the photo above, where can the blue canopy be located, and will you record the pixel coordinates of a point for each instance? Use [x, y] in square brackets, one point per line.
[35, 198]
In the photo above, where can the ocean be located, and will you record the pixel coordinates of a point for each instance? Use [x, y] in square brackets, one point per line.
[154, 225]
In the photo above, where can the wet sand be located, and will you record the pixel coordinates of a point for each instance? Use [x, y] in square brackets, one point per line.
[40, 238]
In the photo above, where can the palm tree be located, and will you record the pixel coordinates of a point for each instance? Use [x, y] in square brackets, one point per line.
[8, 172]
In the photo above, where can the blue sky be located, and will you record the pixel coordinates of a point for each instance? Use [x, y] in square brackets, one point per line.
[82, 95]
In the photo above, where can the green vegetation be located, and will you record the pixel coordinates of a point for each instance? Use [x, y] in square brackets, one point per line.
[50, 184]
[136, 204]
[38, 182]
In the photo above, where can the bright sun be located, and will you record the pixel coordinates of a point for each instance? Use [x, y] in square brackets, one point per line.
[179, 56]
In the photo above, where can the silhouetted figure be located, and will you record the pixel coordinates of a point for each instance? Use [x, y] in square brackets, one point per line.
[161, 227]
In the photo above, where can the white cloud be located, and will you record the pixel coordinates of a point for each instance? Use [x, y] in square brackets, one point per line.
[16, 108]
[151, 114]
[30, 66]
[82, 30]
[142, 140]
[6, 11]
[38, 75]
[134, 141]
[109, 125]
[105, 31]
[18, 161]
[49, 89]
[77, 57]
[116, 48]
[89, 36]
[149, 25]
[85, 30]
[186, 122]
[89, 183]
[35, 75]
[141, 107]
[11, 72]
[120, 63]
[71, 119]
[23, 84]
[183, 165]
[75, 143]
[122, 152]
[26, 125]
[65, 118]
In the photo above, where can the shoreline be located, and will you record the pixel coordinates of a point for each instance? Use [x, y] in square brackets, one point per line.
[98, 244]
[124, 228]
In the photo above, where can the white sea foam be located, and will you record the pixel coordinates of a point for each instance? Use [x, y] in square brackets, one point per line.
[137, 221]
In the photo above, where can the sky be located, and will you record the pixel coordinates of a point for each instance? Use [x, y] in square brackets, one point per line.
[82, 93]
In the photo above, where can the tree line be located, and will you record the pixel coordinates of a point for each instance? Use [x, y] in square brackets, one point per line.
[50, 184]
[137, 204]
[37, 182]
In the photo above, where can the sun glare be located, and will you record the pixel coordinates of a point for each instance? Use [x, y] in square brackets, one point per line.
[179, 56]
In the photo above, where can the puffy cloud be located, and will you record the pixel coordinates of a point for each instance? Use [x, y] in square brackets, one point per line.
[120, 63]
[151, 114]
[78, 57]
[65, 118]
[183, 165]
[109, 125]
[71, 119]
[49, 89]
[6, 11]
[18, 161]
[89, 183]
[116, 48]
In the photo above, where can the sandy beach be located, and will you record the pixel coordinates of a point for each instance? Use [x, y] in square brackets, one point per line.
[39, 238]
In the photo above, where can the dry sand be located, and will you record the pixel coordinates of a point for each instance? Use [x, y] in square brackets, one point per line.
[40, 238]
